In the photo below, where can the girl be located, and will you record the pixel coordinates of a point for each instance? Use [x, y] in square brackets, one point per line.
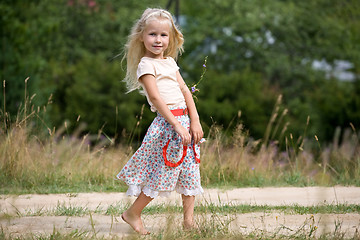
[168, 157]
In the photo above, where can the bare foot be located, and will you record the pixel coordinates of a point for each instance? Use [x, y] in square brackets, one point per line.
[191, 228]
[188, 225]
[135, 222]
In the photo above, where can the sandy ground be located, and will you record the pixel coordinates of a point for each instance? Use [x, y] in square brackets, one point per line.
[16, 211]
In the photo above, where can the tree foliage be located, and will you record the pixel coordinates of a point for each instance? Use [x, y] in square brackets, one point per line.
[257, 50]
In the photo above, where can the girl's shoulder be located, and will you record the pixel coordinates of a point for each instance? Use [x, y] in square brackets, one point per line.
[172, 60]
[146, 62]
[146, 66]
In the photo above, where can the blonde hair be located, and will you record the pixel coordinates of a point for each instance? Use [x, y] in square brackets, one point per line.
[135, 49]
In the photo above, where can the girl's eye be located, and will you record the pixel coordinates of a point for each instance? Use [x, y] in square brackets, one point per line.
[163, 35]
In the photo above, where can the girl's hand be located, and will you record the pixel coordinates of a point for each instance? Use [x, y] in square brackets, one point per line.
[184, 134]
[196, 131]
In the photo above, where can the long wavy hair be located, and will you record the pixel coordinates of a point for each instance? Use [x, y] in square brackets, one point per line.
[135, 49]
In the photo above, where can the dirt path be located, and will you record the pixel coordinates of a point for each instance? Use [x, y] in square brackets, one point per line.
[11, 207]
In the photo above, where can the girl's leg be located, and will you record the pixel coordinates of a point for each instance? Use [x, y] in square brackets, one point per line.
[132, 216]
[188, 208]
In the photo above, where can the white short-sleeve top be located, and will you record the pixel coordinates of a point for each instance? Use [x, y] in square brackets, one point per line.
[164, 71]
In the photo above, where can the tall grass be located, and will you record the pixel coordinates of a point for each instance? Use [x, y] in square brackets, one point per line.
[245, 162]
[38, 158]
[279, 158]
[58, 163]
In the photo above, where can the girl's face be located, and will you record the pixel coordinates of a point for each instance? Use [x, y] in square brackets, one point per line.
[156, 38]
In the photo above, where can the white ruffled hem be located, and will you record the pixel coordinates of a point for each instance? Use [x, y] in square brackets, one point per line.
[135, 190]
[197, 191]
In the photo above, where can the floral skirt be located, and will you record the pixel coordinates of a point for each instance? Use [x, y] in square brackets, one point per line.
[146, 170]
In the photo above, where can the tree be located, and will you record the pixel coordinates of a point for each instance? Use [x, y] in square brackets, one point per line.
[257, 50]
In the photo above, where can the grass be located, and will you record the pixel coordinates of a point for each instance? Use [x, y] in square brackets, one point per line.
[210, 226]
[36, 158]
[79, 211]
[213, 221]
[84, 235]
[56, 161]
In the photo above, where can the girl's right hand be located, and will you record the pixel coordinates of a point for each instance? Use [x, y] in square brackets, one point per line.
[184, 134]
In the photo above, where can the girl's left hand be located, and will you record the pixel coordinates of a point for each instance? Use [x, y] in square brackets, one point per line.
[196, 131]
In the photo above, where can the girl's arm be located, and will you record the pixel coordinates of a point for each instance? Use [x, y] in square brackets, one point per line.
[149, 83]
[195, 126]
